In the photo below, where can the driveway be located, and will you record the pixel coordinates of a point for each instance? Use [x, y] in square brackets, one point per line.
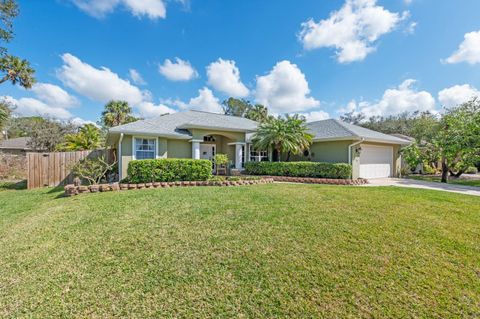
[402, 182]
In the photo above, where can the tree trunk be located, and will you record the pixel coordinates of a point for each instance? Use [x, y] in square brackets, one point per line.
[444, 170]
[288, 157]
[277, 148]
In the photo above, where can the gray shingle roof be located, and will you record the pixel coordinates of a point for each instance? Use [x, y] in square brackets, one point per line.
[19, 143]
[175, 125]
[332, 129]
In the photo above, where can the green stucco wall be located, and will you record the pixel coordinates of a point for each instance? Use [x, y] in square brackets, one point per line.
[179, 149]
[330, 152]
[126, 154]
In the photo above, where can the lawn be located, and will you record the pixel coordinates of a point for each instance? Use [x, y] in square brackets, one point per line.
[451, 180]
[266, 251]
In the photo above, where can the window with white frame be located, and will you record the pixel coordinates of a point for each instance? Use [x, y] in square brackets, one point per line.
[258, 156]
[145, 148]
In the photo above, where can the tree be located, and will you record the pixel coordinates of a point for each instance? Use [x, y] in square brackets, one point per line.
[13, 69]
[236, 107]
[16, 71]
[46, 134]
[117, 113]
[87, 138]
[458, 139]
[4, 114]
[353, 118]
[287, 134]
[257, 113]
[93, 170]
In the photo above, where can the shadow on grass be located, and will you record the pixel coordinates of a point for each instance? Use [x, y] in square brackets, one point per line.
[15, 185]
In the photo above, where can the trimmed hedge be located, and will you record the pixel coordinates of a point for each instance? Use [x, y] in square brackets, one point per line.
[300, 169]
[169, 170]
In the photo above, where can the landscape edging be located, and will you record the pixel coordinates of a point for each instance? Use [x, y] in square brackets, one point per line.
[313, 180]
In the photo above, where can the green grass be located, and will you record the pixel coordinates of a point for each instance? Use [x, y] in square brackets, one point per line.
[451, 180]
[266, 251]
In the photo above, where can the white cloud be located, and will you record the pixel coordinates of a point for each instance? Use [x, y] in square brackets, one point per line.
[284, 89]
[468, 51]
[149, 109]
[404, 98]
[32, 107]
[54, 95]
[352, 30]
[97, 84]
[316, 116]
[81, 122]
[205, 101]
[136, 77]
[179, 70]
[153, 9]
[457, 95]
[224, 76]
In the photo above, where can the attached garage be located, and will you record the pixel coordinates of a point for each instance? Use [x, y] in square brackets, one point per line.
[376, 161]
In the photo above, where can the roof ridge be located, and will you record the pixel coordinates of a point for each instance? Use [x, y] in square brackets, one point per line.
[341, 123]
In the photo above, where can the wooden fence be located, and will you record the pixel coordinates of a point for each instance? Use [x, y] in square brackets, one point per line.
[55, 169]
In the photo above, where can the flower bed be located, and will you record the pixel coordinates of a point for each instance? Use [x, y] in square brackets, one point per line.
[311, 180]
[71, 190]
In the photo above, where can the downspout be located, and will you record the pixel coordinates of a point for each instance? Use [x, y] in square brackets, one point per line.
[350, 150]
[120, 157]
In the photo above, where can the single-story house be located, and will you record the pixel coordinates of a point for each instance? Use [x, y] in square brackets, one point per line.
[15, 146]
[200, 135]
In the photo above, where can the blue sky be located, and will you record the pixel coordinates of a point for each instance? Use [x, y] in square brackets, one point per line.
[379, 57]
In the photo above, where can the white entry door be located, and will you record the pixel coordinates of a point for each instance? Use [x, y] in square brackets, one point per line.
[376, 161]
[207, 151]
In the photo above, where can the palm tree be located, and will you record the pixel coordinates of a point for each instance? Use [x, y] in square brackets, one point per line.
[87, 138]
[16, 71]
[117, 113]
[257, 113]
[287, 134]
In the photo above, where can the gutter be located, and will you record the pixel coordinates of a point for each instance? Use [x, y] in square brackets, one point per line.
[119, 157]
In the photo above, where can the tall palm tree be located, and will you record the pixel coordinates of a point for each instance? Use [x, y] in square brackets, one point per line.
[287, 134]
[16, 71]
[257, 113]
[117, 113]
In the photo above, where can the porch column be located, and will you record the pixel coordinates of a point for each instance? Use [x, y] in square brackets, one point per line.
[195, 149]
[238, 156]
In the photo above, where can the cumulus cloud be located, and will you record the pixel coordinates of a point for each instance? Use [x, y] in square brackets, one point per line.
[54, 95]
[205, 101]
[27, 106]
[224, 76]
[468, 51]
[136, 77]
[179, 70]
[316, 116]
[284, 89]
[404, 98]
[149, 109]
[457, 95]
[100, 84]
[153, 9]
[352, 31]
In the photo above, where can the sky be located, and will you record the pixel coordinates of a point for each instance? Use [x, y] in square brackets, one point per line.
[319, 58]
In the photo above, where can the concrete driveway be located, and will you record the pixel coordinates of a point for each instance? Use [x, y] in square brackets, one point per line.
[403, 182]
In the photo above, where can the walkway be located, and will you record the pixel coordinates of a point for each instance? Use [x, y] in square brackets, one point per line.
[402, 182]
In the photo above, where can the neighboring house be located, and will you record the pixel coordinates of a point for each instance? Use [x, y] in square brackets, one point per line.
[200, 135]
[15, 146]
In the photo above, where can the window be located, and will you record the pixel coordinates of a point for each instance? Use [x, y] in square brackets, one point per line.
[258, 156]
[145, 148]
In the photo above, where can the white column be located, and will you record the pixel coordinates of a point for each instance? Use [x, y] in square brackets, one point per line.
[238, 156]
[195, 150]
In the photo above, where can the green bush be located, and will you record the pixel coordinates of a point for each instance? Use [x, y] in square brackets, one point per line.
[471, 170]
[169, 170]
[428, 170]
[300, 169]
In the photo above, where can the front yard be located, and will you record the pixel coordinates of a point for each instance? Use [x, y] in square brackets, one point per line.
[277, 250]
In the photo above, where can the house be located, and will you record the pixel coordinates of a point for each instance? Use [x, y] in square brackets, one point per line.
[15, 146]
[200, 135]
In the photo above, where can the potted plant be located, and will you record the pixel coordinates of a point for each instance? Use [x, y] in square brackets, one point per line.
[220, 161]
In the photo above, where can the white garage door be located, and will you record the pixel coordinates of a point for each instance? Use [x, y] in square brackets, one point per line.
[376, 161]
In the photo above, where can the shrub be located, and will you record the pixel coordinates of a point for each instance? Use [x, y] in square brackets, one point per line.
[428, 170]
[300, 169]
[471, 170]
[93, 170]
[220, 159]
[169, 170]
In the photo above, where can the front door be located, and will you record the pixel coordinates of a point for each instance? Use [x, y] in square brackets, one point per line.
[207, 151]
